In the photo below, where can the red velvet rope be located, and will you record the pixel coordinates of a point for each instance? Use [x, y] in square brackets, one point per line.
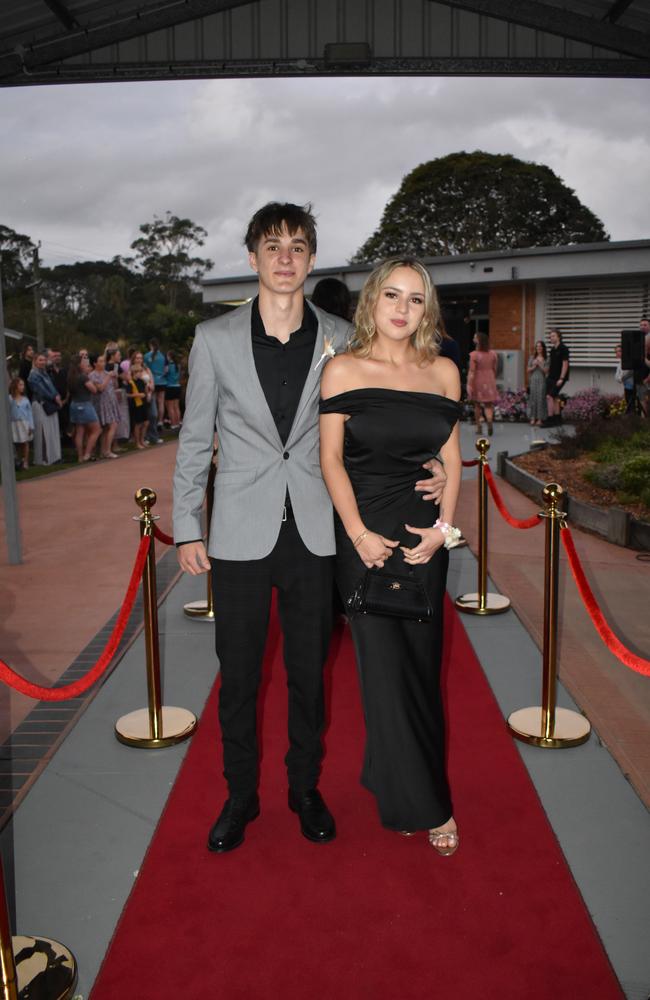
[514, 522]
[613, 643]
[161, 536]
[468, 465]
[9, 676]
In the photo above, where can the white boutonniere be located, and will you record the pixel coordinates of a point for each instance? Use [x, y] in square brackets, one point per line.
[328, 352]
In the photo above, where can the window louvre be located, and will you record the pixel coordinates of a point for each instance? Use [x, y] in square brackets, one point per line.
[592, 315]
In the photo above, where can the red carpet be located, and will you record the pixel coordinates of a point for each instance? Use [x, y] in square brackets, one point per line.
[372, 916]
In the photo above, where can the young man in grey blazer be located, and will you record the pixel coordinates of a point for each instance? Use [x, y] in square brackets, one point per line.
[255, 378]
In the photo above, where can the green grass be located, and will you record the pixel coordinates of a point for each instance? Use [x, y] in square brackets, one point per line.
[69, 460]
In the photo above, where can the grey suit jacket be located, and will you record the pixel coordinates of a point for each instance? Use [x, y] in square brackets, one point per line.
[255, 469]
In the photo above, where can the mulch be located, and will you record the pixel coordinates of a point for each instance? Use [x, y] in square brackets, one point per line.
[570, 473]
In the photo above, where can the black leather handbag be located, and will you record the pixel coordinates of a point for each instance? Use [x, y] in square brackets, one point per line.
[380, 593]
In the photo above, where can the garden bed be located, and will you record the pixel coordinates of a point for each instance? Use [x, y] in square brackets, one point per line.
[570, 475]
[588, 506]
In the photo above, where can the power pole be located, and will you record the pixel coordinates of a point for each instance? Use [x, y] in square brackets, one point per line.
[7, 467]
[38, 312]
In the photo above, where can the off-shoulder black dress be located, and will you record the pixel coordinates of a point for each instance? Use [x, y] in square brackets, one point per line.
[389, 435]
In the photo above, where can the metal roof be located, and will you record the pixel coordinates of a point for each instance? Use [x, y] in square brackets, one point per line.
[49, 41]
[581, 261]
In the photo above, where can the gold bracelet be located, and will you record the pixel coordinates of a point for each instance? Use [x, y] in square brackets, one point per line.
[359, 540]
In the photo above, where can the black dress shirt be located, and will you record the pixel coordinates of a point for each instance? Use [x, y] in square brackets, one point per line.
[60, 378]
[283, 368]
[557, 356]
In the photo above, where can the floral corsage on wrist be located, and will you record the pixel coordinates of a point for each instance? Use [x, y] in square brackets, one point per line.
[449, 533]
[328, 352]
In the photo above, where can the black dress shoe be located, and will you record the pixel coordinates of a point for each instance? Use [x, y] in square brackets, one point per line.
[228, 832]
[316, 821]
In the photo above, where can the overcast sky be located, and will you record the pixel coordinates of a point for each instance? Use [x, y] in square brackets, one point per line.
[82, 166]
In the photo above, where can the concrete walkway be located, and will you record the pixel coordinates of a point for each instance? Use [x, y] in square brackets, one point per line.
[615, 699]
[101, 800]
[79, 543]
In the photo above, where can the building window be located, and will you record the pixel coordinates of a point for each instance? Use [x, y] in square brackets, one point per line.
[591, 316]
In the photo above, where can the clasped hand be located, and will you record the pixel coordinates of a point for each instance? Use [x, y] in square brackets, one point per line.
[431, 539]
[374, 549]
[432, 487]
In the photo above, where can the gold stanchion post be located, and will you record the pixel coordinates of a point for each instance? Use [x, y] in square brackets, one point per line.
[203, 611]
[158, 725]
[32, 966]
[482, 603]
[549, 726]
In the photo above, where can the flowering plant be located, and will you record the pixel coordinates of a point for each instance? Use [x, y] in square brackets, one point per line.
[511, 405]
[587, 404]
[617, 406]
[328, 352]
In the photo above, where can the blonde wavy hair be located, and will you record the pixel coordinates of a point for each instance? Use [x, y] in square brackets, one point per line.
[426, 339]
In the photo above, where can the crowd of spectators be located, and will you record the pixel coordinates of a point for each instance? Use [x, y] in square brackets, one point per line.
[99, 404]
[96, 404]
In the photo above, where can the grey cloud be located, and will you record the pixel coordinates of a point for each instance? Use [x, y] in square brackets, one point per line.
[88, 164]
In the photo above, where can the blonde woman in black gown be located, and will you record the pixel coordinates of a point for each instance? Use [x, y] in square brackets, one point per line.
[389, 405]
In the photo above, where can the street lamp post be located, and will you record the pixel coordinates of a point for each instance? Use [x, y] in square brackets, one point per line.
[7, 467]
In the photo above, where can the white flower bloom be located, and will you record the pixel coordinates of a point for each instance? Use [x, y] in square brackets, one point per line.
[328, 352]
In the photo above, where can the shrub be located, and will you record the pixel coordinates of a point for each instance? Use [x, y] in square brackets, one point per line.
[585, 437]
[607, 478]
[565, 446]
[512, 405]
[620, 443]
[635, 475]
[616, 406]
[587, 404]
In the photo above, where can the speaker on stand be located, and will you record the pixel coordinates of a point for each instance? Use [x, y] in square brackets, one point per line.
[632, 349]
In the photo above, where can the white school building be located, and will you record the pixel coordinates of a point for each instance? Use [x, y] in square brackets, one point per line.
[589, 291]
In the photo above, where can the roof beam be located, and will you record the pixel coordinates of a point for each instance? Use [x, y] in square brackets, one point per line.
[62, 12]
[150, 17]
[444, 66]
[616, 10]
[559, 21]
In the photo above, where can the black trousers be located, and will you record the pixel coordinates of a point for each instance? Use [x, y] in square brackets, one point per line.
[242, 600]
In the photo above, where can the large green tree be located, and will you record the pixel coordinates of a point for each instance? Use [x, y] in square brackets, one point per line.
[466, 202]
[94, 301]
[16, 250]
[164, 254]
[154, 294]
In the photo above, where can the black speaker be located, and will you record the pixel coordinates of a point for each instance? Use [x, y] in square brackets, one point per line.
[632, 348]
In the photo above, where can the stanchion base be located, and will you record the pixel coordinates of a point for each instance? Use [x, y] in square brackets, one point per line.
[44, 968]
[571, 729]
[200, 610]
[134, 729]
[470, 604]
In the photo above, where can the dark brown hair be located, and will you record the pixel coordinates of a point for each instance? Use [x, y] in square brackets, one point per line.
[274, 217]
